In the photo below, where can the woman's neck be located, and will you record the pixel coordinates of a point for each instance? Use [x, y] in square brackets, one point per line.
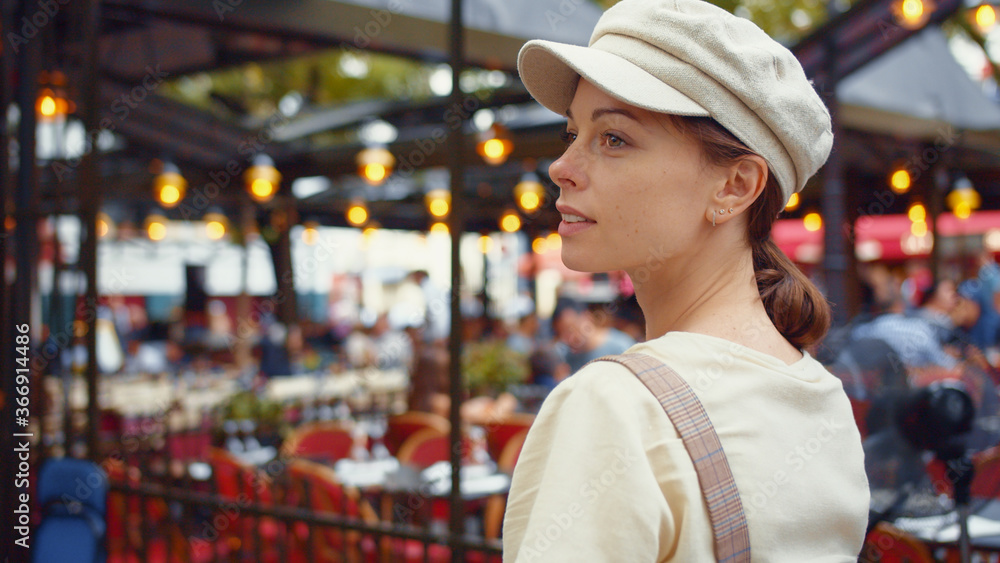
[717, 297]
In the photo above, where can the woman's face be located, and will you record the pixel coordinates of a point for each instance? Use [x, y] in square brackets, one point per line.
[634, 192]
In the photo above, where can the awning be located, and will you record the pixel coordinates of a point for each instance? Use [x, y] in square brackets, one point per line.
[916, 90]
[885, 237]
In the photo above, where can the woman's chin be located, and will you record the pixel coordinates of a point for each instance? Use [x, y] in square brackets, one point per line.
[582, 261]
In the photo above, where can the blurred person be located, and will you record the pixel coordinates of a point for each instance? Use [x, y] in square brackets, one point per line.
[917, 342]
[628, 317]
[583, 337]
[523, 336]
[382, 346]
[688, 130]
[984, 290]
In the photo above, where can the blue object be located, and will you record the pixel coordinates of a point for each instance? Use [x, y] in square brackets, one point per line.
[73, 495]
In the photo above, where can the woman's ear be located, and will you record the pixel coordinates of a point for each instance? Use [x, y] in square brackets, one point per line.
[745, 182]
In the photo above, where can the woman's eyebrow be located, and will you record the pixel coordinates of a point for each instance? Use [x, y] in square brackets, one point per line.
[605, 111]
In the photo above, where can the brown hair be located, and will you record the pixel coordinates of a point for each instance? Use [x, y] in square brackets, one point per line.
[797, 308]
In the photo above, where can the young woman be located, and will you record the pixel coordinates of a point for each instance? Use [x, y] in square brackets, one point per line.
[687, 131]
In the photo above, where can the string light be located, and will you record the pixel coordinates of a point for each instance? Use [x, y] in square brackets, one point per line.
[262, 179]
[510, 222]
[813, 221]
[357, 214]
[793, 202]
[169, 186]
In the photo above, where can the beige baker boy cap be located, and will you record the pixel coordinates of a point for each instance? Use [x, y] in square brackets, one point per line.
[689, 57]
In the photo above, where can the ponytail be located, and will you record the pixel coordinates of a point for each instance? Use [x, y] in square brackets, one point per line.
[797, 308]
[795, 305]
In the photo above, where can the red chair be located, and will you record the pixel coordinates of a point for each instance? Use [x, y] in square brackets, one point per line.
[498, 434]
[496, 505]
[888, 544]
[315, 486]
[986, 481]
[319, 441]
[427, 447]
[130, 518]
[401, 426]
[241, 483]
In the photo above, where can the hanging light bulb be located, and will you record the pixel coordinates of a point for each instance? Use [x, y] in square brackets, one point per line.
[539, 245]
[215, 225]
[438, 202]
[812, 221]
[439, 227]
[169, 186]
[985, 17]
[156, 227]
[912, 14]
[262, 179]
[510, 222]
[793, 202]
[495, 145]
[485, 244]
[375, 164]
[357, 214]
[963, 199]
[529, 192]
[52, 103]
[105, 225]
[310, 232]
[900, 180]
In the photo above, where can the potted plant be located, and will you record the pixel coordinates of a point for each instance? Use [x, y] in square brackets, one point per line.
[490, 367]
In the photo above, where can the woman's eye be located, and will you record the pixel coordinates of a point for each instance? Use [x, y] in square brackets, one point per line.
[613, 141]
[567, 137]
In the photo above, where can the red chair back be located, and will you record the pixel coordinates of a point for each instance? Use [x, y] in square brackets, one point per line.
[401, 426]
[321, 441]
[498, 434]
[429, 446]
[986, 481]
[316, 486]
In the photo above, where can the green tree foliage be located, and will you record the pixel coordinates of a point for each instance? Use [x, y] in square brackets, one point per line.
[785, 20]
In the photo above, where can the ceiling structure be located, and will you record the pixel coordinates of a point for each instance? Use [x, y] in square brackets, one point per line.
[142, 42]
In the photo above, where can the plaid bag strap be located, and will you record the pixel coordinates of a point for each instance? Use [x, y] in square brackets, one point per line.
[725, 510]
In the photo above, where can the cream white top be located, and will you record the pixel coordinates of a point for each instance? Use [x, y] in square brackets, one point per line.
[603, 475]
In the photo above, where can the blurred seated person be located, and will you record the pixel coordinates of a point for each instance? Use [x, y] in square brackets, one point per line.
[984, 290]
[548, 367]
[628, 317]
[929, 337]
[585, 339]
[936, 306]
[381, 346]
[429, 378]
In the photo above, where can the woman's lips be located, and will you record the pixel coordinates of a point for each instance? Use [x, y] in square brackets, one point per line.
[573, 223]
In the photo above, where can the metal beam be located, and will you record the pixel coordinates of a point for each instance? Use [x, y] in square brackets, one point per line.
[335, 24]
[456, 225]
[90, 184]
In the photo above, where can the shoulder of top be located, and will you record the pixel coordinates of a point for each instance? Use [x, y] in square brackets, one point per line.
[605, 377]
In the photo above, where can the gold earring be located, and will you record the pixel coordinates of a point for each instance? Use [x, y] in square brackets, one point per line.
[730, 210]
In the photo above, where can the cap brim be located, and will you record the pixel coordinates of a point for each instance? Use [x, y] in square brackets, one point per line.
[550, 71]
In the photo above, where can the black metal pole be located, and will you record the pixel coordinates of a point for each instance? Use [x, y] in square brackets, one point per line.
[836, 257]
[27, 57]
[90, 190]
[8, 465]
[456, 227]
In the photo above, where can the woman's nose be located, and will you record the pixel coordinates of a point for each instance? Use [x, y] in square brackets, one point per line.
[564, 171]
